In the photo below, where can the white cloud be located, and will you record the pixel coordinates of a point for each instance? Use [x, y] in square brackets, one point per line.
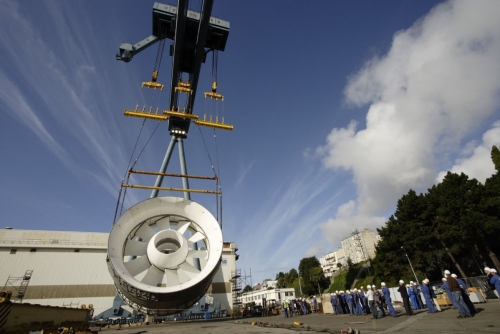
[478, 165]
[438, 83]
[346, 221]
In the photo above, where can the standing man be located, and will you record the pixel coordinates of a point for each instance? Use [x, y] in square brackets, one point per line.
[495, 281]
[364, 301]
[285, 308]
[376, 297]
[463, 310]
[416, 292]
[413, 297]
[434, 298]
[448, 292]
[388, 301]
[406, 299]
[426, 290]
[465, 295]
[290, 308]
[371, 301]
[335, 303]
[350, 302]
[315, 304]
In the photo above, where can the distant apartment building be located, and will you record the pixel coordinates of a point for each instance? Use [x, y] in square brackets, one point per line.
[330, 262]
[360, 245]
[268, 283]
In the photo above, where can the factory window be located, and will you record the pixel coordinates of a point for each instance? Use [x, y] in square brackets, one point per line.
[13, 251]
[33, 250]
[77, 251]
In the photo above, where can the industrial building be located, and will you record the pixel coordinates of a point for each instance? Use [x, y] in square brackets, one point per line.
[60, 268]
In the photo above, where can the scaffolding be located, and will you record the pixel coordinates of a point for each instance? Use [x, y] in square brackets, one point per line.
[236, 287]
[360, 247]
[18, 289]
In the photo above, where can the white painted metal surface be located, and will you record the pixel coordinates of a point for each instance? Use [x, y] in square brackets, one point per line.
[152, 258]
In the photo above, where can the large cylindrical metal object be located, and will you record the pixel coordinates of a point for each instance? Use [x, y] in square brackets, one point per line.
[152, 255]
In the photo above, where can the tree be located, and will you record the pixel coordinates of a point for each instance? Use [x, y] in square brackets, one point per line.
[312, 276]
[247, 288]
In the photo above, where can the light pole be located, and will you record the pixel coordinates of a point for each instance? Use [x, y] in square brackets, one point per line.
[410, 265]
[300, 286]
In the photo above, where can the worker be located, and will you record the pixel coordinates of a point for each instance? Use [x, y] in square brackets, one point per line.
[315, 304]
[413, 287]
[463, 310]
[465, 295]
[370, 295]
[358, 310]
[434, 298]
[448, 292]
[364, 302]
[335, 303]
[413, 296]
[406, 299]
[285, 308]
[495, 281]
[426, 290]
[377, 296]
[388, 301]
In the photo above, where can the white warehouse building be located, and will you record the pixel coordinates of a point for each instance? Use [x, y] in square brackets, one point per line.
[69, 269]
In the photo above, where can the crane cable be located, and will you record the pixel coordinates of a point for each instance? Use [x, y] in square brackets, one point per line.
[159, 56]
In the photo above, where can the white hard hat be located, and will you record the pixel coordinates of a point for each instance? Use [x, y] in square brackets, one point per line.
[411, 282]
[446, 272]
[487, 269]
[443, 279]
[493, 270]
[401, 281]
[454, 275]
[382, 283]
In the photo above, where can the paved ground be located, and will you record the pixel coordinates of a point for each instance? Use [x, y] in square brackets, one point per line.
[487, 320]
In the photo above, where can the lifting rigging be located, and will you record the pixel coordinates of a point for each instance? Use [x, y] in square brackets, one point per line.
[163, 252]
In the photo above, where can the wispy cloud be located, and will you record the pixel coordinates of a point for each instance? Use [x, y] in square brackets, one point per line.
[64, 82]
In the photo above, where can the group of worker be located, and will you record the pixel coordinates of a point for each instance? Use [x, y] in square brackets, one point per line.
[298, 307]
[361, 302]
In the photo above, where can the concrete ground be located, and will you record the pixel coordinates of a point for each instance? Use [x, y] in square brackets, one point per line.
[487, 320]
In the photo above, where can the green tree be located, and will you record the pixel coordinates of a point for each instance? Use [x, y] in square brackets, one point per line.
[247, 288]
[309, 271]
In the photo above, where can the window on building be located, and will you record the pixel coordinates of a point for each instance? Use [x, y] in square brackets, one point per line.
[77, 251]
[33, 250]
[13, 251]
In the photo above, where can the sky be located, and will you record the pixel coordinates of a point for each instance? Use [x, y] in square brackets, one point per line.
[339, 108]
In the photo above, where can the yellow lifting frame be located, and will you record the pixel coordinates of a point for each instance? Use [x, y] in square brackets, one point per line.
[153, 84]
[213, 94]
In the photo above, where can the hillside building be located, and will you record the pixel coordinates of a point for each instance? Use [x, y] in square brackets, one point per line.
[360, 245]
[330, 262]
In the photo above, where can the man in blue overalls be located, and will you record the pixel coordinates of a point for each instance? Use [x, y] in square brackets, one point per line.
[388, 301]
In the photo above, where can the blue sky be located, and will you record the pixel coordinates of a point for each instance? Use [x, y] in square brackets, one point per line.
[338, 107]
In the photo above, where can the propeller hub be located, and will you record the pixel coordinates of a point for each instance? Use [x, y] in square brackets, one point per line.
[167, 249]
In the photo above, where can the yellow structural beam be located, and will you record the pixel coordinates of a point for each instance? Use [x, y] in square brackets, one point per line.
[154, 85]
[213, 95]
[143, 114]
[172, 189]
[179, 114]
[215, 124]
